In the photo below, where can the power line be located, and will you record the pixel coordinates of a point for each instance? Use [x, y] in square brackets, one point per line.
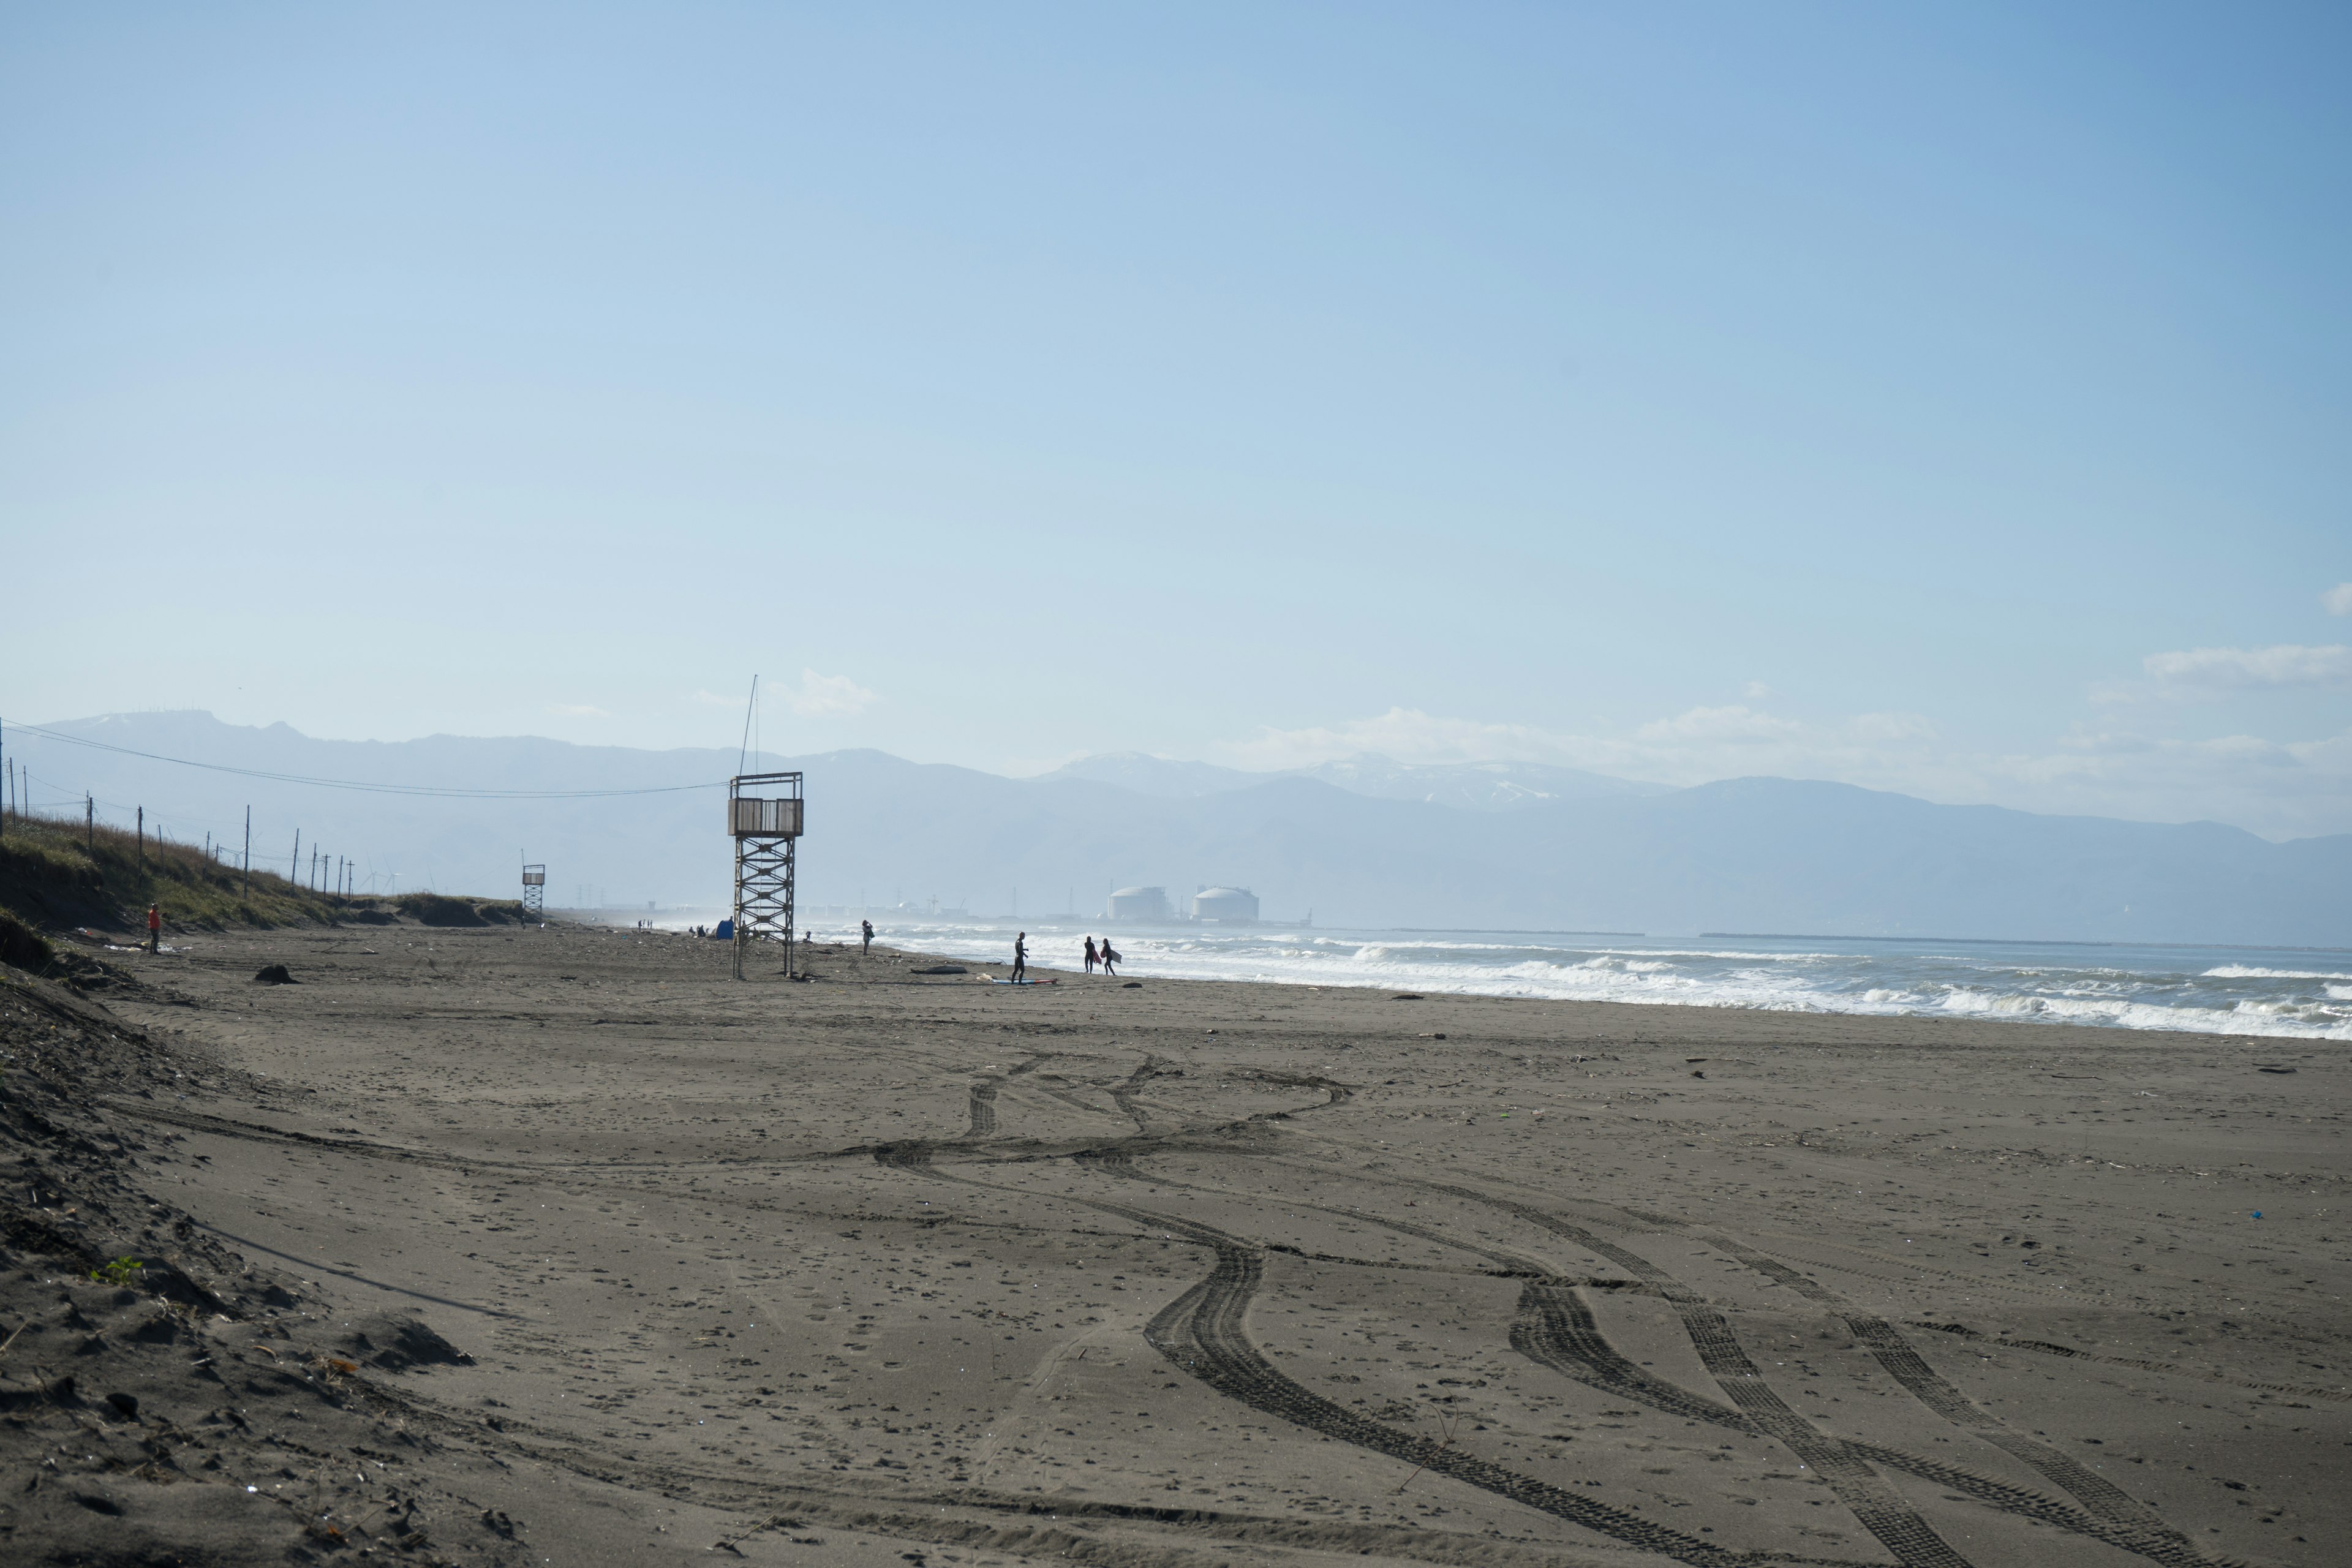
[454, 793]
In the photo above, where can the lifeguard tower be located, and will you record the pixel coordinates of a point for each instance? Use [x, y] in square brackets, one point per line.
[534, 893]
[764, 816]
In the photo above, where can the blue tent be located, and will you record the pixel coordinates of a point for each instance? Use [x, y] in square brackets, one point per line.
[726, 931]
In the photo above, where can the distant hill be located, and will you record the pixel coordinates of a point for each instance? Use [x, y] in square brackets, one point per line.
[1752, 855]
[1148, 775]
[1471, 786]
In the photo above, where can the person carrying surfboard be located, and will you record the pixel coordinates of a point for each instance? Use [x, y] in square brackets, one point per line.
[1019, 958]
[1091, 955]
[1109, 957]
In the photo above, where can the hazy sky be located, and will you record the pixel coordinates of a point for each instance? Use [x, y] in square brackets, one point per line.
[1951, 399]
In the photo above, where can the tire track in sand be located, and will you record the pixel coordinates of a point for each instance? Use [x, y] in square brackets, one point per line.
[1202, 1332]
[1874, 1504]
[2150, 1535]
[2122, 1520]
[1023, 1525]
[984, 1109]
[1556, 1329]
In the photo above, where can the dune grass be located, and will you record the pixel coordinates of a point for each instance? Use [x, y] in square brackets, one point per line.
[58, 874]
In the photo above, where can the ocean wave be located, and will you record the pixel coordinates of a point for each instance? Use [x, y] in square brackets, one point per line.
[2170, 993]
[2243, 1019]
[2247, 972]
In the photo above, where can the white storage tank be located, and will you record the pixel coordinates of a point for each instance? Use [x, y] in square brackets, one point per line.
[1225, 906]
[1139, 904]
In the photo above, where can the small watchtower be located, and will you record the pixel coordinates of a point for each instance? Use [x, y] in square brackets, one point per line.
[764, 816]
[534, 893]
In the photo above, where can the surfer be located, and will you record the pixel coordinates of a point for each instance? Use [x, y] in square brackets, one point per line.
[1091, 955]
[1019, 958]
[1109, 957]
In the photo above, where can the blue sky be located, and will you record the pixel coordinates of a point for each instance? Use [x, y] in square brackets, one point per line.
[1952, 401]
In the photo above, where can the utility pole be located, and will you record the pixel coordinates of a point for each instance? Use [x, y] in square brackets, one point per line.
[88, 821]
[294, 867]
[142, 836]
[248, 852]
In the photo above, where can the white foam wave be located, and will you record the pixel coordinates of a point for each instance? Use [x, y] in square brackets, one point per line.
[2243, 1019]
[2247, 972]
[2164, 995]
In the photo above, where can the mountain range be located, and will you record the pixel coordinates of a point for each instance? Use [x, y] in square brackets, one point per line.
[1367, 842]
[1471, 786]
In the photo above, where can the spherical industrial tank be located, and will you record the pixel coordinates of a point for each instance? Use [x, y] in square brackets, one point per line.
[1139, 904]
[1226, 906]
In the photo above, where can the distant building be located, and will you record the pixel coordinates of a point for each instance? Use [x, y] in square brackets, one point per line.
[1139, 904]
[1225, 906]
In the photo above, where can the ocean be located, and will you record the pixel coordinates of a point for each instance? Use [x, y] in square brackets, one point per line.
[2286, 993]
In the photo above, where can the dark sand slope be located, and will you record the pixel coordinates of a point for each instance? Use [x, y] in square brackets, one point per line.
[1199, 1274]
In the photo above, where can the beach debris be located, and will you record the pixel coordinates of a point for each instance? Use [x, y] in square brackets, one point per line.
[396, 1343]
[773, 1522]
[1408, 996]
[1695, 1073]
[274, 975]
[944, 969]
[1130, 985]
[126, 1403]
[1447, 1419]
[2271, 1067]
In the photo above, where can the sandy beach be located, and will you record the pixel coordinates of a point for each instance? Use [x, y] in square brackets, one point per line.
[890, 1267]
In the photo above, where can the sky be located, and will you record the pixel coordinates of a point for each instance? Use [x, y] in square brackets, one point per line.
[1942, 399]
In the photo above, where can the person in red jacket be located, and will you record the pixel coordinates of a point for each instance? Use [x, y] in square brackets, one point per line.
[154, 929]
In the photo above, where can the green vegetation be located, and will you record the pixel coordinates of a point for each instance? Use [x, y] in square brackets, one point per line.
[121, 1271]
[55, 873]
[22, 947]
[438, 909]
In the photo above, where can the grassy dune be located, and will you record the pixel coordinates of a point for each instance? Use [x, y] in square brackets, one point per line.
[56, 875]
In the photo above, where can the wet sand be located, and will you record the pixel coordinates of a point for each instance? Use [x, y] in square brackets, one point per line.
[889, 1268]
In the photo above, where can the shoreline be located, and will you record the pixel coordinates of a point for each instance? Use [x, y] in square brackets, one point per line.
[2244, 1001]
[1239, 1272]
